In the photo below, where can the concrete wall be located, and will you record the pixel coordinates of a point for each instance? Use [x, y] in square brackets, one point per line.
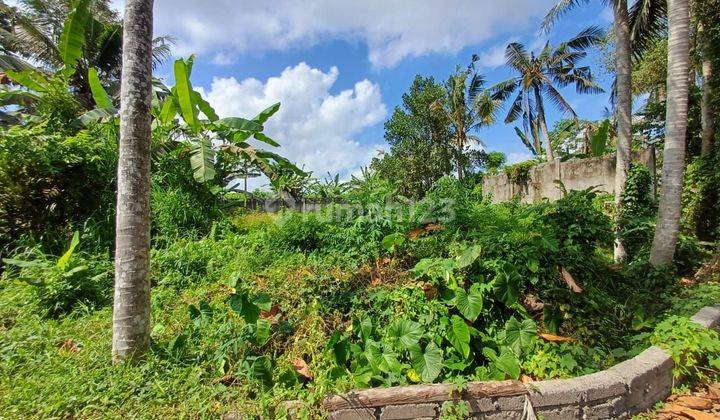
[627, 388]
[575, 174]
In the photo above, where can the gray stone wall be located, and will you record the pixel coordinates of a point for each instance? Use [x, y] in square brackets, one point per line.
[627, 388]
[575, 174]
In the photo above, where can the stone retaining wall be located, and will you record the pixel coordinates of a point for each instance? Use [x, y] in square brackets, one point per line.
[630, 387]
[575, 174]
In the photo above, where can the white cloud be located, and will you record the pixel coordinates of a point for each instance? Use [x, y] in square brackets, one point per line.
[392, 29]
[516, 157]
[492, 57]
[316, 129]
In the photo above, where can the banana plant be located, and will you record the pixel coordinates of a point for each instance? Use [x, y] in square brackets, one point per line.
[35, 82]
[206, 136]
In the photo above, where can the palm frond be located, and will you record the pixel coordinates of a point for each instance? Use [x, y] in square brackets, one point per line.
[559, 10]
[475, 87]
[648, 21]
[516, 108]
[517, 56]
[502, 91]
[162, 49]
[588, 37]
[34, 43]
[525, 140]
[557, 99]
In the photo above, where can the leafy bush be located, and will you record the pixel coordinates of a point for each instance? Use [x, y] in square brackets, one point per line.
[66, 283]
[51, 182]
[637, 215]
[701, 198]
[694, 349]
[519, 173]
[182, 207]
[577, 223]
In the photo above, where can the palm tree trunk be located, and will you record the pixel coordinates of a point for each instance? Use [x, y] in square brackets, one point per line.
[543, 125]
[708, 117]
[131, 305]
[668, 225]
[623, 63]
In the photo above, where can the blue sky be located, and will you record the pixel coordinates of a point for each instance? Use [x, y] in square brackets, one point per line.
[359, 58]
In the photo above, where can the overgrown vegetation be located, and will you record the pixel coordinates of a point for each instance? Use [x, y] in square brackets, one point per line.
[408, 274]
[266, 308]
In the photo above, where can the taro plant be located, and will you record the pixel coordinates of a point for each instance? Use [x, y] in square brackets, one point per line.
[436, 334]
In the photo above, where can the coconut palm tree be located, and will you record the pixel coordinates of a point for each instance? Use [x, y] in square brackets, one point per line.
[467, 107]
[131, 304]
[637, 26]
[668, 224]
[536, 79]
[707, 112]
[33, 31]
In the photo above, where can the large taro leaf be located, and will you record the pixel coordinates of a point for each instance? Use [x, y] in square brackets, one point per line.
[470, 302]
[459, 335]
[507, 287]
[428, 363]
[520, 334]
[406, 333]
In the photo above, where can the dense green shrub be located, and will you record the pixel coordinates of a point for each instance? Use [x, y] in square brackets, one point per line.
[637, 222]
[51, 182]
[180, 206]
[577, 223]
[62, 284]
[637, 215]
[701, 198]
[694, 349]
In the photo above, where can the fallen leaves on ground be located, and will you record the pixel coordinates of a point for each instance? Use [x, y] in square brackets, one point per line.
[302, 368]
[69, 346]
[569, 280]
[227, 380]
[429, 290]
[272, 316]
[701, 404]
[533, 304]
[414, 234]
[679, 410]
[552, 338]
[697, 403]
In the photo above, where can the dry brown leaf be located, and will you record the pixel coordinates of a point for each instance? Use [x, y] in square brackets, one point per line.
[533, 304]
[302, 368]
[552, 338]
[713, 391]
[430, 290]
[271, 315]
[687, 412]
[569, 280]
[415, 233]
[525, 379]
[227, 380]
[697, 403]
[434, 227]
[685, 281]
[68, 346]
